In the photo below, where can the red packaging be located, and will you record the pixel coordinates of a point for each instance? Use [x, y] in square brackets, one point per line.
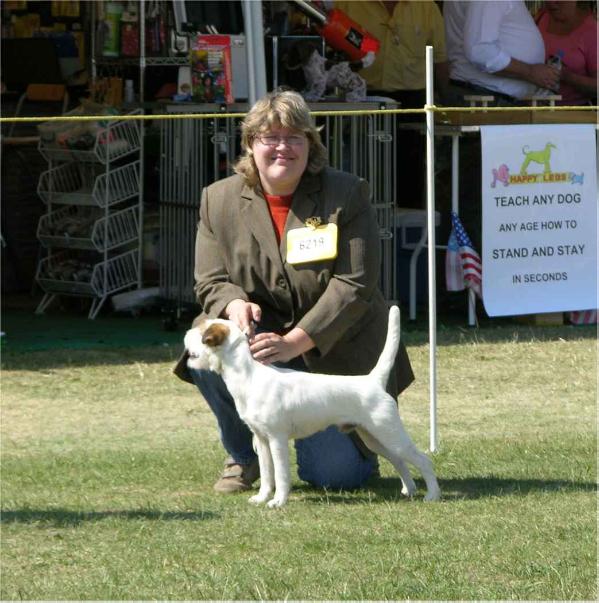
[211, 69]
[129, 39]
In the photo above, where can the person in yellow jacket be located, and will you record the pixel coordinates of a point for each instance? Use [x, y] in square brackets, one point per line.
[404, 28]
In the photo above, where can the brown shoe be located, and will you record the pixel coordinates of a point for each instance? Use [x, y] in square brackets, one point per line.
[236, 477]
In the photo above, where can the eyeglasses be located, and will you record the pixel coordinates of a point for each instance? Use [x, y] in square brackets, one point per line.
[274, 140]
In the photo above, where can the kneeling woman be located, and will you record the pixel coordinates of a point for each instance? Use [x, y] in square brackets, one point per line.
[289, 249]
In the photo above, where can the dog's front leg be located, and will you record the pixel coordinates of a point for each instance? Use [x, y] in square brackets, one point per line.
[267, 476]
[279, 450]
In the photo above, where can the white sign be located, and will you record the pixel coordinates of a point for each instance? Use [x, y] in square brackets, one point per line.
[539, 243]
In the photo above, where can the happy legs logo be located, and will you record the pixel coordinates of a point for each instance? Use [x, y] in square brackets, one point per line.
[532, 159]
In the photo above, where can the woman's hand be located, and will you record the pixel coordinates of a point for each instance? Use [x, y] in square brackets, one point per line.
[244, 314]
[270, 347]
[545, 76]
[539, 74]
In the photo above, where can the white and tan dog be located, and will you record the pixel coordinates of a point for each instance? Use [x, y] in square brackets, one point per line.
[280, 404]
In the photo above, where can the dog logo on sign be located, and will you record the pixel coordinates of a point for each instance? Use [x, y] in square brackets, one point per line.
[541, 157]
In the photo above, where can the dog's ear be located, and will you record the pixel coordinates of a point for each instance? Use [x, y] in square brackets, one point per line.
[215, 334]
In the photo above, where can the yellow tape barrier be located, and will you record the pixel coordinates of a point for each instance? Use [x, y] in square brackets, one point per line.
[425, 109]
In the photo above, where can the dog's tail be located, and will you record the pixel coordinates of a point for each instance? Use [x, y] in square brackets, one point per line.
[387, 358]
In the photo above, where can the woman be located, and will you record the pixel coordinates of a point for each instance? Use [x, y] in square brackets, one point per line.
[321, 313]
[569, 30]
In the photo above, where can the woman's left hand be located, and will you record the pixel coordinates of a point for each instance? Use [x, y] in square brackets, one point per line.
[271, 347]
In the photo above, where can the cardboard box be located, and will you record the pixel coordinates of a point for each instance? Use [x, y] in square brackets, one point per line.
[482, 118]
[510, 117]
[565, 117]
[547, 319]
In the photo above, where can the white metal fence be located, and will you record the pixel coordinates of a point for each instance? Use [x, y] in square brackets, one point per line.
[196, 152]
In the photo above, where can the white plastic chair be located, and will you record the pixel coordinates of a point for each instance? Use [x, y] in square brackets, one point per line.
[405, 219]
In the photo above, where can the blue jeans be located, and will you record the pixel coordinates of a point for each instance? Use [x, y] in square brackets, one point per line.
[328, 459]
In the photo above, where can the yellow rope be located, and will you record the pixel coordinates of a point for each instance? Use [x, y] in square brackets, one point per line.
[171, 116]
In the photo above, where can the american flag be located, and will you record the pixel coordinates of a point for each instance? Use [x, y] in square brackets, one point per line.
[463, 266]
[584, 317]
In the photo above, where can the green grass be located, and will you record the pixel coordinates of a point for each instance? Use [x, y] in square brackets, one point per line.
[108, 463]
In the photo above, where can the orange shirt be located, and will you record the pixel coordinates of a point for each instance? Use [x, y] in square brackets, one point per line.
[278, 206]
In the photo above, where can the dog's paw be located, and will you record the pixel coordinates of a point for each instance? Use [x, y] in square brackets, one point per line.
[258, 499]
[408, 486]
[276, 503]
[433, 496]
[409, 490]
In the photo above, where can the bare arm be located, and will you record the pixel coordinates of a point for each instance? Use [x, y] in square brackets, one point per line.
[544, 76]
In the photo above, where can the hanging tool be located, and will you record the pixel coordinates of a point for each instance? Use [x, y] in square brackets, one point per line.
[340, 32]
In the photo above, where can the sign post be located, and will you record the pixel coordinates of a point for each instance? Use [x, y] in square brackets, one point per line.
[432, 283]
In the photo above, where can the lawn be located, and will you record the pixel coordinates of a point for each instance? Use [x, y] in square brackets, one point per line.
[108, 463]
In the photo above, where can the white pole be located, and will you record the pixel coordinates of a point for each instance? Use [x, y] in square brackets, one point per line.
[254, 32]
[455, 173]
[260, 68]
[249, 50]
[432, 280]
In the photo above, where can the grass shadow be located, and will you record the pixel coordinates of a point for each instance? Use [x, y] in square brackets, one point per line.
[484, 487]
[70, 359]
[67, 518]
[55, 341]
[468, 488]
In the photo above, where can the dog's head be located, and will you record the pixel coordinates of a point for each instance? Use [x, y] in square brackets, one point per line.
[207, 343]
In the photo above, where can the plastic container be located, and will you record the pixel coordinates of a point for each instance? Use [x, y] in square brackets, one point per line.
[129, 92]
[556, 61]
[112, 30]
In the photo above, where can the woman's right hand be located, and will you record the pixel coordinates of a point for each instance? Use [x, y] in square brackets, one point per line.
[545, 76]
[244, 314]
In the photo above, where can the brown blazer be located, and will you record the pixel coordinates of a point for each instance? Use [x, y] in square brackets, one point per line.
[336, 302]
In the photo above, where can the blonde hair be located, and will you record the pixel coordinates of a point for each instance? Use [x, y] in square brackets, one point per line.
[279, 109]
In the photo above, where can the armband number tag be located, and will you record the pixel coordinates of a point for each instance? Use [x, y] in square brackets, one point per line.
[312, 244]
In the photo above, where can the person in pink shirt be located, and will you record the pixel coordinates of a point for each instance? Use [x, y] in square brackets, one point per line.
[569, 29]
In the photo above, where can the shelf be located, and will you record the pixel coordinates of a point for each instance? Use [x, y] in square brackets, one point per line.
[149, 61]
[84, 229]
[78, 227]
[65, 273]
[102, 141]
[76, 183]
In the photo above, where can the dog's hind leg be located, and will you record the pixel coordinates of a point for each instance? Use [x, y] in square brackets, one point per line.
[389, 431]
[279, 449]
[412, 455]
[267, 476]
[409, 487]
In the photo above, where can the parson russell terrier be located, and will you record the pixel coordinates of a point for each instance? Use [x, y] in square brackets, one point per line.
[279, 404]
